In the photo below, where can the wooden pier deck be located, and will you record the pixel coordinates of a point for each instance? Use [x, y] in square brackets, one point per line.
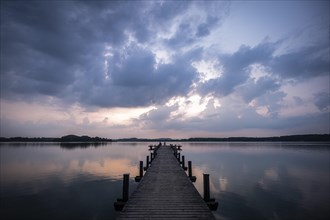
[165, 192]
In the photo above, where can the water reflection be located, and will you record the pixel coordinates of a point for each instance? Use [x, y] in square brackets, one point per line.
[271, 181]
[48, 181]
[72, 145]
[249, 180]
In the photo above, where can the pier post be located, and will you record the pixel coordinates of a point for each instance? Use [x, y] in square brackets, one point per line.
[141, 168]
[206, 184]
[191, 177]
[121, 202]
[138, 178]
[151, 156]
[189, 169]
[211, 203]
[126, 187]
[178, 157]
[147, 163]
[183, 163]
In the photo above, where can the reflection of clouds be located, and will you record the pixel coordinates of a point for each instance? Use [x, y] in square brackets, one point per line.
[30, 163]
[223, 183]
[110, 168]
[246, 148]
[312, 184]
[279, 180]
[36, 167]
[240, 178]
[271, 174]
[261, 183]
[235, 206]
[27, 171]
[272, 180]
[315, 186]
[198, 172]
[311, 174]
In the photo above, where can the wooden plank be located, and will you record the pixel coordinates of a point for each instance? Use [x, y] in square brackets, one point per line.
[165, 192]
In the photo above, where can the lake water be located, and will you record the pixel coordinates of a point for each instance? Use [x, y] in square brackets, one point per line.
[249, 180]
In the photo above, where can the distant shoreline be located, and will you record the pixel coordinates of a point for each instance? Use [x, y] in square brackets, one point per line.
[87, 139]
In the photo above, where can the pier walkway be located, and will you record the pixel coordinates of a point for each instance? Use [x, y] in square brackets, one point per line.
[165, 192]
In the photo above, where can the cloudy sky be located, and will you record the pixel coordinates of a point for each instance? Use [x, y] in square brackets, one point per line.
[164, 68]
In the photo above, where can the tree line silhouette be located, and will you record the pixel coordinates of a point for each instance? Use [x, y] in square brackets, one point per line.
[84, 138]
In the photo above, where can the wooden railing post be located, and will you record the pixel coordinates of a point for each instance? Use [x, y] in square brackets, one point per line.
[141, 168]
[138, 178]
[126, 187]
[121, 202]
[183, 163]
[191, 177]
[211, 203]
[147, 163]
[206, 184]
[189, 169]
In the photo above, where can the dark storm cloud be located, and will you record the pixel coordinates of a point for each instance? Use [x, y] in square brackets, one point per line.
[134, 69]
[54, 41]
[322, 101]
[304, 64]
[157, 117]
[41, 47]
[255, 88]
[188, 33]
[134, 81]
[300, 65]
[182, 37]
[236, 68]
[204, 28]
[57, 49]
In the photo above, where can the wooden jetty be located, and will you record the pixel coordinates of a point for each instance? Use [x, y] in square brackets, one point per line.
[165, 191]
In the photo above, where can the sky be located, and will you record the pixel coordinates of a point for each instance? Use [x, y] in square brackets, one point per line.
[157, 69]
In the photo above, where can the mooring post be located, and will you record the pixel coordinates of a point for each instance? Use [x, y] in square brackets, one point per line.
[141, 168]
[178, 157]
[183, 163]
[126, 187]
[211, 203]
[189, 169]
[147, 163]
[121, 202]
[206, 182]
[191, 177]
[151, 156]
[138, 178]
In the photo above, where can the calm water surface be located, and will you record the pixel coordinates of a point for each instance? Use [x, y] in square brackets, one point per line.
[249, 180]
